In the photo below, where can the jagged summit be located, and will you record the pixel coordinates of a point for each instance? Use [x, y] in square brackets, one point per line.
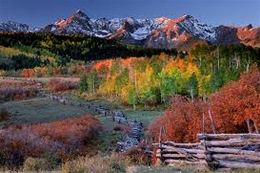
[80, 13]
[12, 26]
[160, 32]
[184, 17]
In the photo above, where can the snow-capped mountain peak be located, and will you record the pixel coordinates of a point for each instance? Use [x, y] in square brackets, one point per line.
[162, 21]
[11, 26]
[157, 32]
[60, 22]
[80, 14]
[194, 27]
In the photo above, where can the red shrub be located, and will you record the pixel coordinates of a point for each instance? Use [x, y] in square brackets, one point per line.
[16, 90]
[59, 85]
[182, 121]
[231, 106]
[236, 102]
[63, 138]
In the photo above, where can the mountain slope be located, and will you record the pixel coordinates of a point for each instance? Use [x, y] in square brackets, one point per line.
[158, 32]
[13, 27]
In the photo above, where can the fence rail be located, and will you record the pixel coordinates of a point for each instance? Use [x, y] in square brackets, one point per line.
[174, 154]
[232, 150]
[213, 150]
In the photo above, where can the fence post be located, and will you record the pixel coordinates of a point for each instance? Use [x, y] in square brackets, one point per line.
[164, 131]
[203, 123]
[256, 128]
[248, 125]
[212, 122]
[160, 143]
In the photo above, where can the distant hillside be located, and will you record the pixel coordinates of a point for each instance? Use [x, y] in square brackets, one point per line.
[74, 47]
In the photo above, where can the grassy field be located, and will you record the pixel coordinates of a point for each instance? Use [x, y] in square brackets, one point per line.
[144, 116]
[40, 110]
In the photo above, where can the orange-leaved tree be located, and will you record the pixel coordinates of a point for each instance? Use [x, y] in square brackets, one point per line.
[230, 108]
[236, 102]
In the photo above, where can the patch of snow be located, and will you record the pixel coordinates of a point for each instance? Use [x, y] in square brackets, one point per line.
[141, 33]
[198, 29]
[53, 28]
[59, 22]
[161, 22]
[102, 36]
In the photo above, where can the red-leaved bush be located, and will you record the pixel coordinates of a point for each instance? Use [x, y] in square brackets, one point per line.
[61, 85]
[64, 138]
[16, 90]
[230, 107]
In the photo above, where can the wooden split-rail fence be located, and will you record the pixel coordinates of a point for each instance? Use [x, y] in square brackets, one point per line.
[231, 150]
[214, 151]
[100, 110]
[131, 138]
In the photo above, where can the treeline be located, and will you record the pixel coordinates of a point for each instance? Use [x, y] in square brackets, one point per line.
[235, 108]
[76, 47]
[21, 61]
[152, 81]
[224, 62]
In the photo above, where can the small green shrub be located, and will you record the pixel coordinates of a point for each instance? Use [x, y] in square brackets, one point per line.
[136, 156]
[52, 160]
[74, 167]
[97, 164]
[35, 164]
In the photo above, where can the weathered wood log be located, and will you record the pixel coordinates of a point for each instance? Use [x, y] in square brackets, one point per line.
[179, 155]
[232, 151]
[231, 143]
[184, 145]
[227, 136]
[185, 162]
[163, 146]
[236, 157]
[199, 156]
[176, 156]
[178, 150]
[194, 151]
[237, 164]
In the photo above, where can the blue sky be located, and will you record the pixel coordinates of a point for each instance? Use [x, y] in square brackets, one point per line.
[214, 12]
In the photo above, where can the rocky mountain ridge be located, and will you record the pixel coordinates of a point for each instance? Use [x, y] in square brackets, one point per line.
[162, 32]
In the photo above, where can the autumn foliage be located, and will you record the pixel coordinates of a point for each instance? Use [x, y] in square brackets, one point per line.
[230, 107]
[65, 138]
[16, 90]
[61, 85]
[236, 102]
